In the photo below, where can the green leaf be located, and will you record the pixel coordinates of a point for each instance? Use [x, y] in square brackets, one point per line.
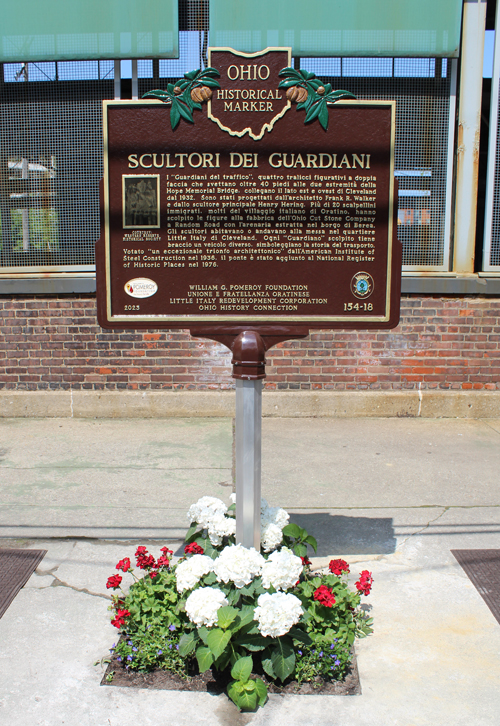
[261, 689]
[210, 70]
[247, 590]
[160, 94]
[337, 95]
[267, 665]
[209, 82]
[300, 550]
[244, 699]
[252, 641]
[204, 657]
[187, 643]
[247, 700]
[245, 617]
[175, 115]
[288, 83]
[314, 83]
[290, 73]
[306, 75]
[226, 615]
[203, 633]
[222, 662]
[210, 579]
[312, 541]
[283, 658]
[192, 532]
[242, 668]
[323, 116]
[186, 112]
[300, 635]
[292, 530]
[192, 74]
[314, 110]
[217, 641]
[233, 691]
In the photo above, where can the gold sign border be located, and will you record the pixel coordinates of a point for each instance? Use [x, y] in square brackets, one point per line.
[267, 126]
[240, 319]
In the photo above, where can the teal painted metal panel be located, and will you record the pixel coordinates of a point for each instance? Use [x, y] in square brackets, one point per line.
[339, 27]
[34, 30]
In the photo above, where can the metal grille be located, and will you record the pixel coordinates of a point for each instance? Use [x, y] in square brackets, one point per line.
[492, 216]
[51, 162]
[51, 148]
[422, 89]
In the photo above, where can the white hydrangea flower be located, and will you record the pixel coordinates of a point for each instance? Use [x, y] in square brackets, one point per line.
[238, 564]
[189, 572]
[277, 613]
[219, 527]
[204, 510]
[272, 521]
[202, 605]
[281, 570]
[209, 513]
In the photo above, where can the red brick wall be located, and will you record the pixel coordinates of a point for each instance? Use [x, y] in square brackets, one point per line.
[55, 343]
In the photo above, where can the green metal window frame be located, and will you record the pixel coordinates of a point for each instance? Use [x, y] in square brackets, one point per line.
[89, 29]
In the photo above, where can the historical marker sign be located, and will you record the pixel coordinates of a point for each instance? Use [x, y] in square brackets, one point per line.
[236, 212]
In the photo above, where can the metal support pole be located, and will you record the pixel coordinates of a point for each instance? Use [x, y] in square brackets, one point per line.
[117, 76]
[135, 81]
[469, 125]
[248, 461]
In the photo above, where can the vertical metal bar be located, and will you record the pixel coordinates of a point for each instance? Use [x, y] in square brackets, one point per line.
[117, 75]
[450, 158]
[469, 124]
[25, 212]
[248, 461]
[135, 82]
[492, 151]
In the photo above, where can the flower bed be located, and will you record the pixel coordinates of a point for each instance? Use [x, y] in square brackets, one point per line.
[254, 618]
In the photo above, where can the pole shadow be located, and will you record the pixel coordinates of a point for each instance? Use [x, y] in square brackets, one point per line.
[343, 535]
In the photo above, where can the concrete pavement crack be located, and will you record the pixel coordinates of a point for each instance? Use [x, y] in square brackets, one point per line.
[60, 583]
[422, 529]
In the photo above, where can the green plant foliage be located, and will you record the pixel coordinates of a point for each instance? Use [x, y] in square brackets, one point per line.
[283, 658]
[316, 104]
[181, 104]
[314, 643]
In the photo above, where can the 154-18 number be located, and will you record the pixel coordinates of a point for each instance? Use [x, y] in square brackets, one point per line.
[358, 306]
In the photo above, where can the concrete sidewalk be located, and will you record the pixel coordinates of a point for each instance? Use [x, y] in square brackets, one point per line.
[390, 495]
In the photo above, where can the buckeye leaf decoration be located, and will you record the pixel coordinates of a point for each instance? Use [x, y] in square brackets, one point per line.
[179, 95]
[319, 96]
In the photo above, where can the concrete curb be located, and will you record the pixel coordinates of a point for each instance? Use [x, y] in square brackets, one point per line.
[283, 404]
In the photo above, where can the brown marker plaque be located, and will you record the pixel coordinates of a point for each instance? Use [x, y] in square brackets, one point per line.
[248, 218]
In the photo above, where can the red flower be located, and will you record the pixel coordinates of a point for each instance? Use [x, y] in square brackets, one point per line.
[120, 618]
[154, 573]
[337, 567]
[114, 581]
[166, 551]
[365, 582]
[193, 549]
[305, 561]
[123, 565]
[324, 595]
[162, 561]
[143, 559]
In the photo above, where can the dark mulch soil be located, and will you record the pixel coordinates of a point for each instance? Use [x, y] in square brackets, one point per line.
[214, 682]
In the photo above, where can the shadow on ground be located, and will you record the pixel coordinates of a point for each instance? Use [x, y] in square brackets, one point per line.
[340, 535]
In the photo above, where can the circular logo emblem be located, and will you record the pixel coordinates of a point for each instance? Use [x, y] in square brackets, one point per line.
[140, 287]
[362, 284]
